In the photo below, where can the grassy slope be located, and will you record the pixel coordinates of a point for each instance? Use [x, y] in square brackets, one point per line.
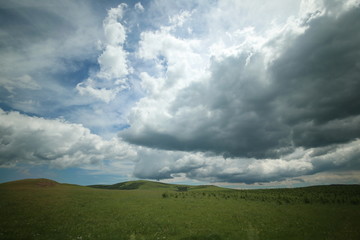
[42, 209]
[156, 186]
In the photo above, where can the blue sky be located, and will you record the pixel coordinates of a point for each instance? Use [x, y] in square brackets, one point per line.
[243, 94]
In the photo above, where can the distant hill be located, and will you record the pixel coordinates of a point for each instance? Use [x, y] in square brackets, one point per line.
[160, 186]
[150, 185]
[129, 185]
[36, 183]
[39, 182]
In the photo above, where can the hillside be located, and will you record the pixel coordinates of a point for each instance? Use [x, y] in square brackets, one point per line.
[313, 194]
[45, 209]
[35, 183]
[40, 182]
[150, 185]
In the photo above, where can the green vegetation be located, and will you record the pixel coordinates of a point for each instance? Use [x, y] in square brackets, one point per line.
[335, 194]
[44, 209]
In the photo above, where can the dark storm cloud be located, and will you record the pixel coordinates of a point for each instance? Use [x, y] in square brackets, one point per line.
[229, 115]
[307, 97]
[316, 82]
[310, 134]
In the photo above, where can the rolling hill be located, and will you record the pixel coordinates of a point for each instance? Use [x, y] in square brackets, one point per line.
[150, 185]
[45, 209]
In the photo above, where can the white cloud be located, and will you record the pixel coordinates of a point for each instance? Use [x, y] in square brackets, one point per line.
[34, 140]
[176, 57]
[113, 62]
[177, 62]
[179, 19]
[114, 31]
[24, 82]
[150, 84]
[87, 88]
[139, 7]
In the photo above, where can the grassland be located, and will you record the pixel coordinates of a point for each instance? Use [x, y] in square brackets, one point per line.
[44, 209]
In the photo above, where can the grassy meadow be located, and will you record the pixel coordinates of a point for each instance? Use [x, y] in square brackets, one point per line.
[44, 209]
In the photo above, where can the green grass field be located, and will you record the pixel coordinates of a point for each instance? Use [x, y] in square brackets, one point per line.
[44, 209]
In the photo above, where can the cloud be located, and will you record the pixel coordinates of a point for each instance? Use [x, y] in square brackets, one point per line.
[258, 106]
[139, 7]
[41, 36]
[112, 61]
[45, 46]
[114, 30]
[326, 161]
[87, 88]
[204, 91]
[247, 104]
[24, 82]
[34, 140]
[315, 81]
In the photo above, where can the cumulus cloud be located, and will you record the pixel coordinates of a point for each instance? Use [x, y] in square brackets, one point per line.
[177, 57]
[112, 61]
[251, 106]
[114, 30]
[34, 140]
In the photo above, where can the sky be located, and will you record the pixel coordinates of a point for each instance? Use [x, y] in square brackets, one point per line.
[242, 94]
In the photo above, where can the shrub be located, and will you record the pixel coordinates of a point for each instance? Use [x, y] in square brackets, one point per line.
[182, 188]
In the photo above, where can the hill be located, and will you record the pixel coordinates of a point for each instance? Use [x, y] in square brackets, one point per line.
[34, 183]
[30, 183]
[322, 194]
[45, 209]
[151, 185]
